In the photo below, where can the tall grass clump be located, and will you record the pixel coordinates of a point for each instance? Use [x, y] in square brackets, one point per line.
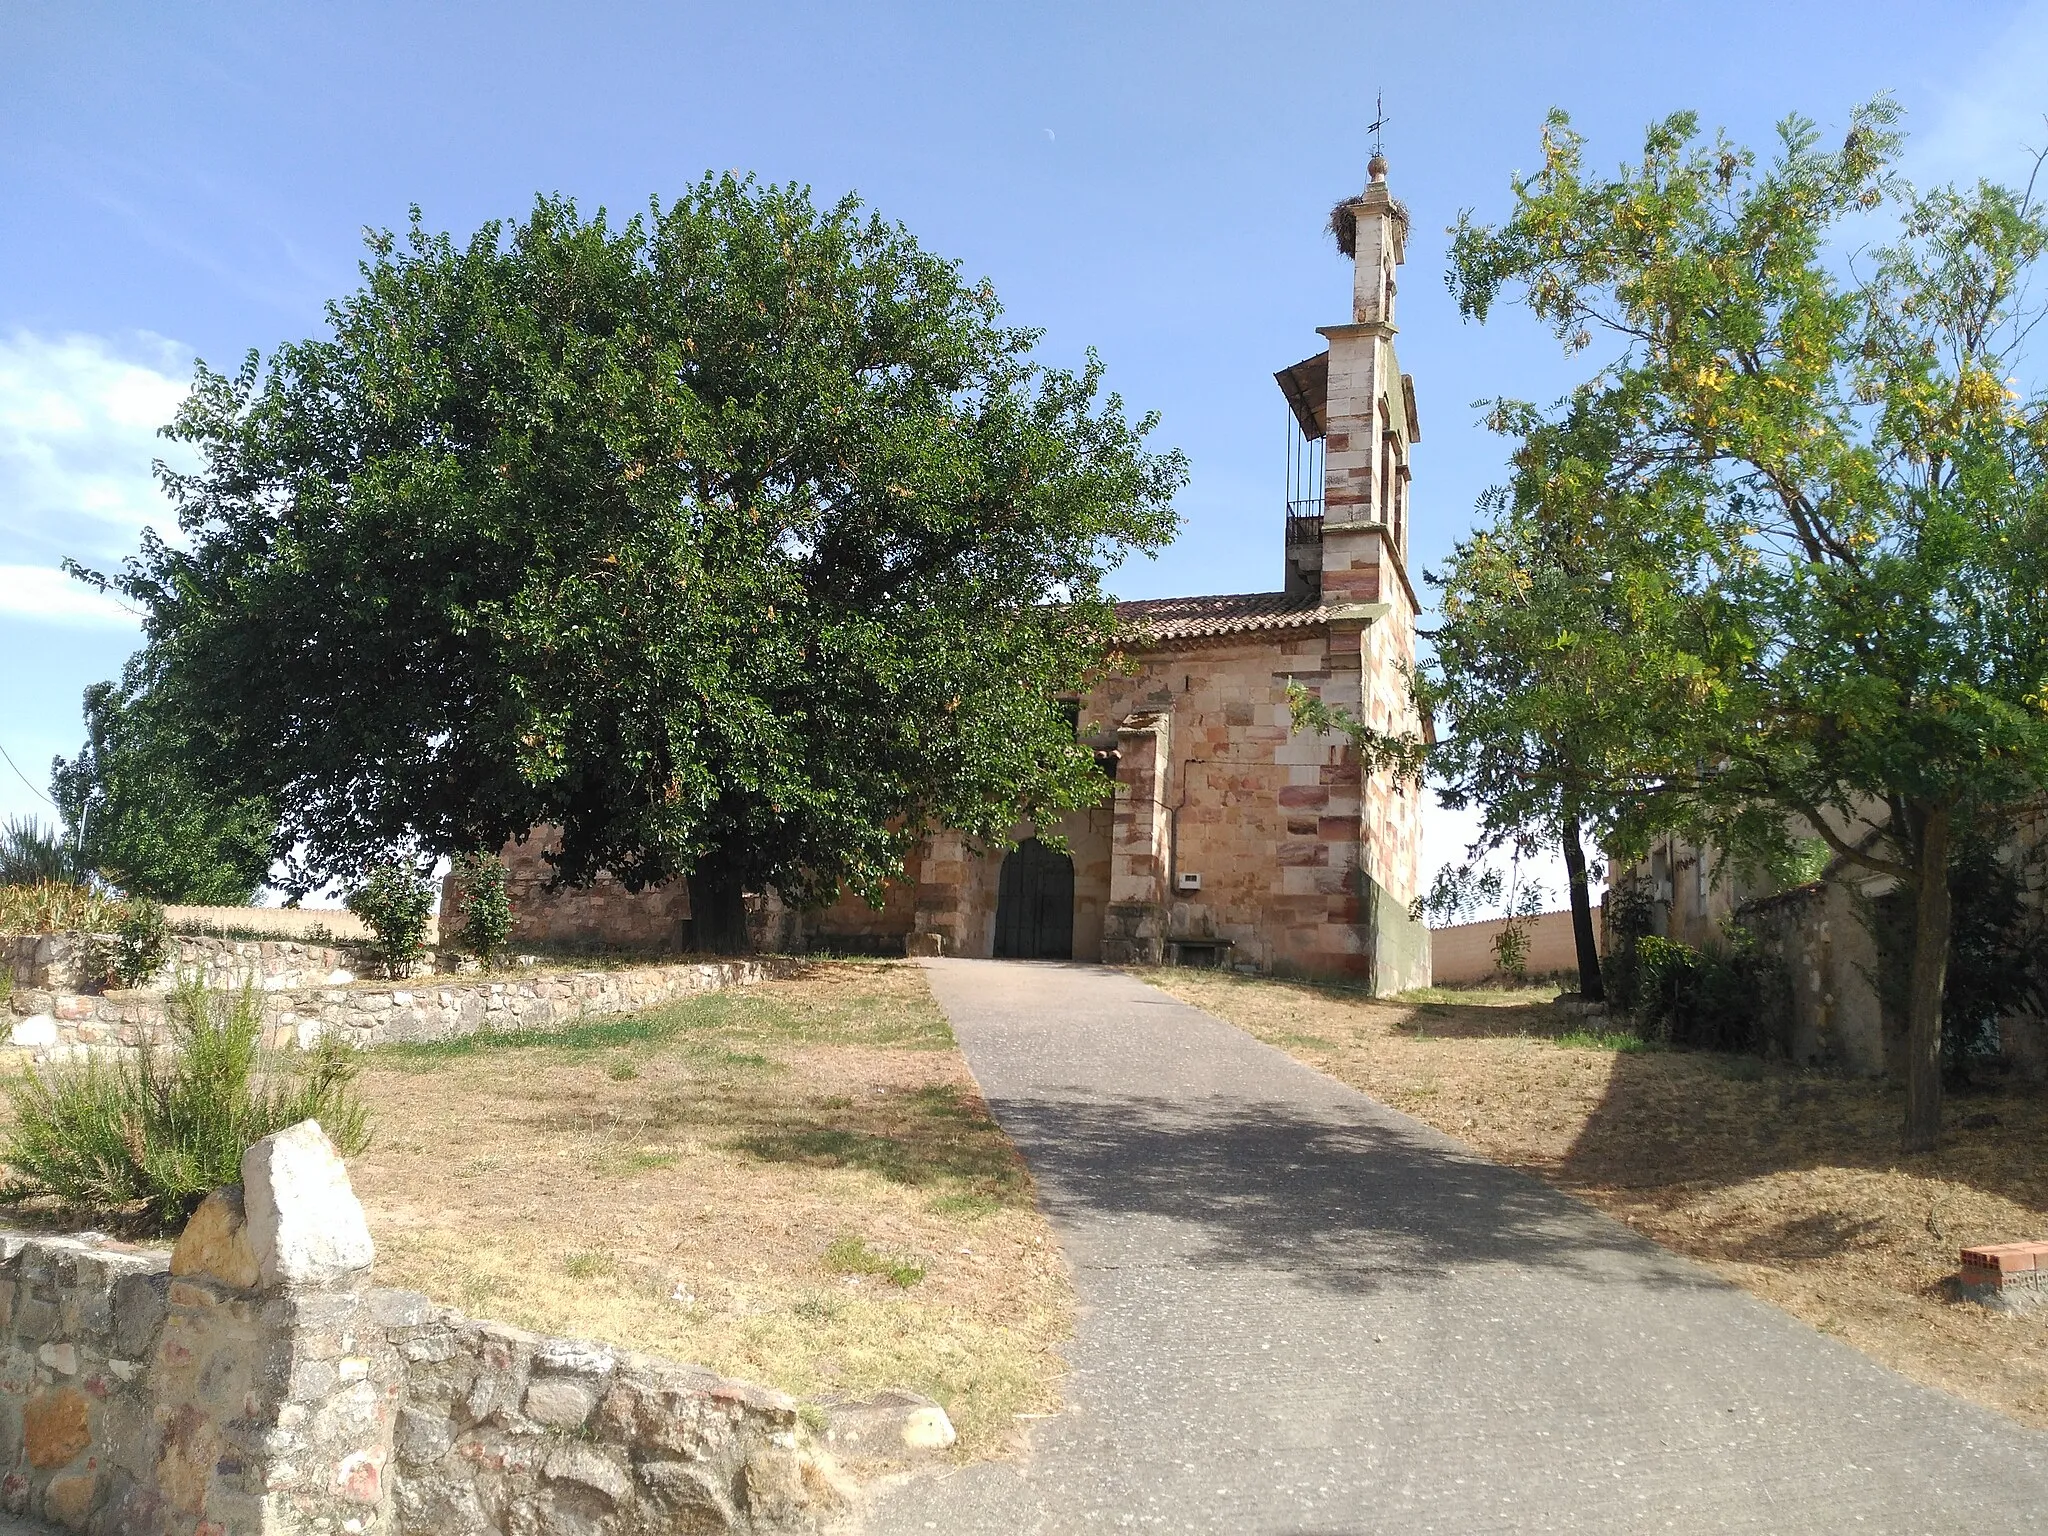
[53, 906]
[142, 1142]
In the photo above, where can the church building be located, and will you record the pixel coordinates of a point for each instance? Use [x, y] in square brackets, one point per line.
[1231, 838]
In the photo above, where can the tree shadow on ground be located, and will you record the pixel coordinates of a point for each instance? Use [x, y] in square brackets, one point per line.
[1697, 1118]
[1686, 1121]
[1343, 1197]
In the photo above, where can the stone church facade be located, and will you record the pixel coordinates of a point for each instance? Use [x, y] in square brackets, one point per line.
[1230, 838]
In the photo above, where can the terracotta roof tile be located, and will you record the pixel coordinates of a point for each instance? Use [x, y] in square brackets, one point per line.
[1235, 613]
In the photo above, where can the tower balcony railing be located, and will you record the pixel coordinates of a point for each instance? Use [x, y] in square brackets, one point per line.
[1305, 521]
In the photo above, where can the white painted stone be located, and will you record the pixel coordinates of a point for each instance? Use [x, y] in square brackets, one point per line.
[36, 1029]
[306, 1226]
[928, 1429]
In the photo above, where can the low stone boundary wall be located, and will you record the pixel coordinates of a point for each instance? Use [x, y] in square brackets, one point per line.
[253, 1383]
[58, 1025]
[74, 962]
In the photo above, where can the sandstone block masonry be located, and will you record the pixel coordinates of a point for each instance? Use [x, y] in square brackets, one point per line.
[56, 1026]
[254, 1382]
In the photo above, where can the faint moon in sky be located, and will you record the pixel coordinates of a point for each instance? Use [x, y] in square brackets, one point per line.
[1048, 133]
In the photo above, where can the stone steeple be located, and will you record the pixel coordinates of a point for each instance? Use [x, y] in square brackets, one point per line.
[1369, 409]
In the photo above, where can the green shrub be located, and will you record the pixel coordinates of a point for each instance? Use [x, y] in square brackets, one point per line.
[142, 942]
[1628, 912]
[149, 1138]
[396, 902]
[486, 907]
[1715, 999]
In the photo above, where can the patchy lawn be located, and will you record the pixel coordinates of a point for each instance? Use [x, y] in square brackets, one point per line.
[796, 1183]
[1788, 1182]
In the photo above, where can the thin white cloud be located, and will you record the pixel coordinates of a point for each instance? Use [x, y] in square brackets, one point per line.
[1987, 118]
[78, 423]
[46, 595]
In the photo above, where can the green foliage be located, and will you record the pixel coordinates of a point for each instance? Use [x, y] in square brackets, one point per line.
[1720, 998]
[1460, 892]
[1824, 482]
[139, 813]
[1801, 862]
[1629, 913]
[485, 905]
[743, 541]
[396, 900]
[142, 942]
[151, 1138]
[31, 854]
[589, 1264]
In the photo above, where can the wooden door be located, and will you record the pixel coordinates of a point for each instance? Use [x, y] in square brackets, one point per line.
[1035, 904]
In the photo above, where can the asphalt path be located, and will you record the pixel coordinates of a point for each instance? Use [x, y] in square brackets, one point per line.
[1303, 1312]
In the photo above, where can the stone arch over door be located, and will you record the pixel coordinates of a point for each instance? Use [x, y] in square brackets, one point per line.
[1035, 904]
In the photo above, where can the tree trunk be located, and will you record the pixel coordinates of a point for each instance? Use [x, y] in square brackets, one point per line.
[718, 908]
[1591, 987]
[1930, 975]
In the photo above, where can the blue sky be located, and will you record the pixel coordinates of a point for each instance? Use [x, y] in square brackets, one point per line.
[181, 180]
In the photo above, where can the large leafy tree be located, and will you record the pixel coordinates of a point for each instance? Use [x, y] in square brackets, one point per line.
[137, 814]
[1846, 447]
[743, 540]
[1552, 666]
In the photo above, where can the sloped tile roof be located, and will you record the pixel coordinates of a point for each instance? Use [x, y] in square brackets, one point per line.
[1237, 613]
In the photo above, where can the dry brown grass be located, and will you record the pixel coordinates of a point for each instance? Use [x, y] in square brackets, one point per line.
[1789, 1183]
[795, 1183]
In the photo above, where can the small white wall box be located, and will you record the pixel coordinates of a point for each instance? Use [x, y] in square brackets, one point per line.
[1190, 882]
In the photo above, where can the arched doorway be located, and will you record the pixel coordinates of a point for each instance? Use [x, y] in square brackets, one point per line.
[1035, 904]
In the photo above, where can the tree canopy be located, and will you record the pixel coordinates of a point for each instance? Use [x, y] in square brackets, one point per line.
[1829, 451]
[138, 815]
[1546, 675]
[744, 541]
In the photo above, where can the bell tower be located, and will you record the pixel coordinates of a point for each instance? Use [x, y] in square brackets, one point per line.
[1369, 409]
[1347, 555]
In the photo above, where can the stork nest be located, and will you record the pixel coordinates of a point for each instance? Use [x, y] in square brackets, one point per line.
[1344, 222]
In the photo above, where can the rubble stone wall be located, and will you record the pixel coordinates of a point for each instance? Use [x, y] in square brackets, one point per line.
[253, 1383]
[81, 1320]
[74, 961]
[502, 1430]
[59, 1025]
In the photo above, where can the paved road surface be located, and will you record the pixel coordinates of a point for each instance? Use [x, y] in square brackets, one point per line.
[1305, 1313]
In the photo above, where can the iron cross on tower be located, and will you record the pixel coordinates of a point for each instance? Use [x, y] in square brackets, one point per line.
[1379, 121]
